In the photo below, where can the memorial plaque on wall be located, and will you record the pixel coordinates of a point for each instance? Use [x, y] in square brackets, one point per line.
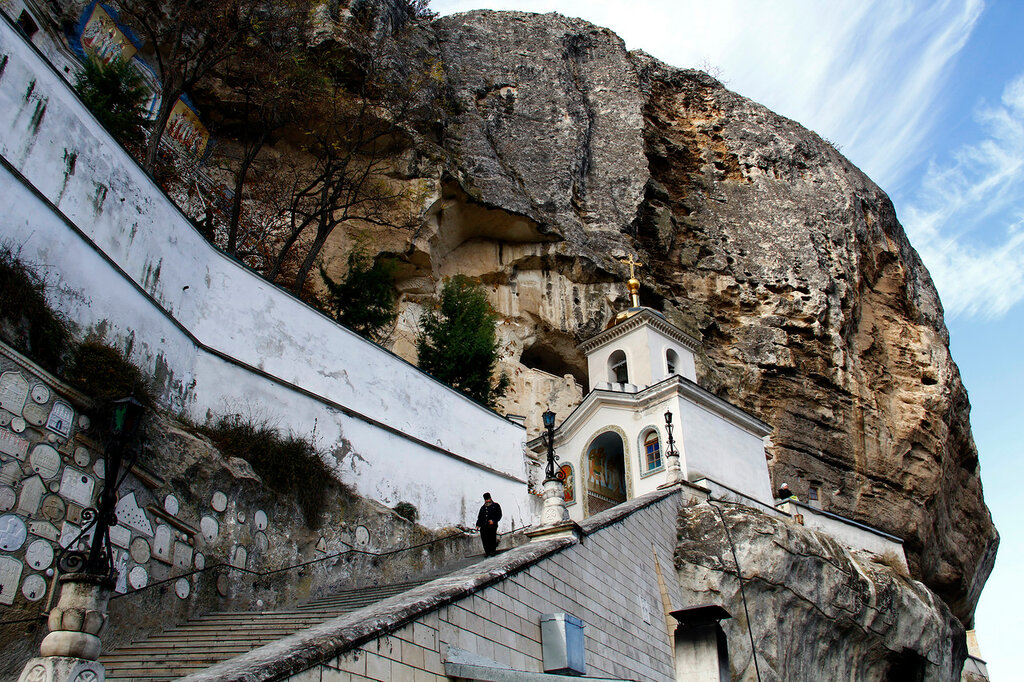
[61, 418]
[77, 486]
[10, 576]
[35, 414]
[12, 444]
[13, 392]
[44, 460]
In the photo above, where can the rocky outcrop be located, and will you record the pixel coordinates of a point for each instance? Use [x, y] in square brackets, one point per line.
[803, 592]
[565, 152]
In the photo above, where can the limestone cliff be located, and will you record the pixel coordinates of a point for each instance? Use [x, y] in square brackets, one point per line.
[816, 610]
[565, 152]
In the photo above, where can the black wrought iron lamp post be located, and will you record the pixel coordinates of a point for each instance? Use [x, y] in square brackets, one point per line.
[125, 417]
[69, 652]
[554, 513]
[551, 474]
[673, 468]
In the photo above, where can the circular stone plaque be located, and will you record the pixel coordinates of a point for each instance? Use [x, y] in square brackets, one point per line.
[53, 508]
[82, 457]
[12, 533]
[223, 586]
[5, 417]
[35, 414]
[199, 561]
[34, 587]
[262, 542]
[171, 505]
[240, 516]
[8, 498]
[219, 501]
[140, 550]
[45, 461]
[17, 425]
[209, 528]
[83, 421]
[40, 393]
[260, 519]
[362, 536]
[39, 555]
[99, 468]
[138, 577]
[182, 588]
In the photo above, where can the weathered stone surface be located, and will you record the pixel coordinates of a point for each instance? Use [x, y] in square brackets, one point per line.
[804, 591]
[815, 312]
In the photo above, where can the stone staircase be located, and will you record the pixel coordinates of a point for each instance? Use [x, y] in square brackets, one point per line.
[206, 640]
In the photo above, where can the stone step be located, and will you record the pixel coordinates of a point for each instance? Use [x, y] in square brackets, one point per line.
[215, 637]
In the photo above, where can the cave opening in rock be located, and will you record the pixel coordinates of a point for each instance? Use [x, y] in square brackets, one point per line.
[556, 354]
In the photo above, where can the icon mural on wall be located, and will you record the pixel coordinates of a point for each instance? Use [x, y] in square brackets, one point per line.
[186, 130]
[605, 475]
[568, 480]
[102, 39]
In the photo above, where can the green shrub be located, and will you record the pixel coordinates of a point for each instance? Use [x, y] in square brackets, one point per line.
[27, 322]
[287, 464]
[115, 94]
[408, 511]
[103, 373]
[364, 300]
[457, 343]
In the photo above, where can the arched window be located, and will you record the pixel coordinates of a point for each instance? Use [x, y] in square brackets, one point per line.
[652, 451]
[618, 372]
[671, 361]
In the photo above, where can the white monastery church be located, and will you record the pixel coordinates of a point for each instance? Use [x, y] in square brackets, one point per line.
[645, 404]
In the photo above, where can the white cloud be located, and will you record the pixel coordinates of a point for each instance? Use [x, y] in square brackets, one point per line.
[979, 187]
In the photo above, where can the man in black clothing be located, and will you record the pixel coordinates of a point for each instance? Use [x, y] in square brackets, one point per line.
[784, 492]
[487, 523]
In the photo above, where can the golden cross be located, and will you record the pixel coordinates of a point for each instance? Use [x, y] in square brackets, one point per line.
[632, 264]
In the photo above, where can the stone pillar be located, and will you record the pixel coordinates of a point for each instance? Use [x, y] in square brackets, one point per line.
[554, 518]
[673, 470]
[554, 511]
[70, 651]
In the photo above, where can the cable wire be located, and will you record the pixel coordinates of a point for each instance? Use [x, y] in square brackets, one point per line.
[743, 592]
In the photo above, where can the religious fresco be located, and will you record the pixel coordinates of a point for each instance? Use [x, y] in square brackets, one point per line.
[186, 130]
[605, 474]
[569, 481]
[102, 38]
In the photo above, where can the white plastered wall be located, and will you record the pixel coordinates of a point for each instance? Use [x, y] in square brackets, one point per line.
[645, 349]
[222, 338]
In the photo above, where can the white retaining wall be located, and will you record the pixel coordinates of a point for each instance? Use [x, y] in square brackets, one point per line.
[127, 264]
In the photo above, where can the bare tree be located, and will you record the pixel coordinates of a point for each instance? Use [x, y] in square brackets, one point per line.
[372, 97]
[186, 39]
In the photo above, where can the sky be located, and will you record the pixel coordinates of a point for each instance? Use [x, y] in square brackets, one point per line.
[927, 98]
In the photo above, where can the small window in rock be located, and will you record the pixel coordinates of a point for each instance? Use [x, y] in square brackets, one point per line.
[813, 493]
[671, 361]
[27, 24]
[618, 369]
[652, 450]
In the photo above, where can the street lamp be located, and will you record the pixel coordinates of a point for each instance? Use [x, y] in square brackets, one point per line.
[125, 416]
[671, 441]
[549, 424]
[69, 652]
[673, 468]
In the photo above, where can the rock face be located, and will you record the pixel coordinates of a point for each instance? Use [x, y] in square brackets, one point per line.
[565, 152]
[803, 591]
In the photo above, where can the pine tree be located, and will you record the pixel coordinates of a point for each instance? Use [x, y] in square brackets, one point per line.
[364, 300]
[457, 343]
[115, 93]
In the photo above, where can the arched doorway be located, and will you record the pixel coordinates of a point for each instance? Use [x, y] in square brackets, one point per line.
[605, 470]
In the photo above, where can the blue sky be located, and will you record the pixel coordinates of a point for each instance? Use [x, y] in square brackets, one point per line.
[927, 98]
